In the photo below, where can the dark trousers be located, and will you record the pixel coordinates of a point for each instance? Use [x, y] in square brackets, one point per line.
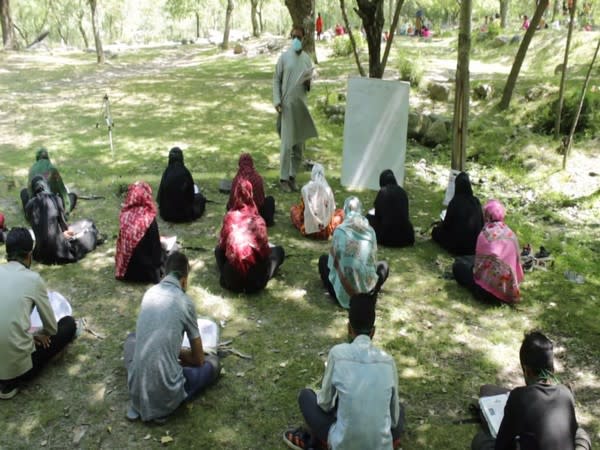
[257, 277]
[42, 356]
[319, 422]
[462, 269]
[383, 271]
[198, 206]
[267, 211]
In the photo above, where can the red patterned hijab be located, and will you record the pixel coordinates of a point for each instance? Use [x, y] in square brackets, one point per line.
[247, 171]
[136, 216]
[244, 232]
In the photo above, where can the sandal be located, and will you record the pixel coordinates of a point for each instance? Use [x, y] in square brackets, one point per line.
[297, 438]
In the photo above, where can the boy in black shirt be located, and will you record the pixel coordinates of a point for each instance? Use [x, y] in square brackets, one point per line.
[540, 415]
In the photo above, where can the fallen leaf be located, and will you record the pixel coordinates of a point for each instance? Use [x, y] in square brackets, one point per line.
[148, 436]
[43, 443]
[109, 429]
[166, 439]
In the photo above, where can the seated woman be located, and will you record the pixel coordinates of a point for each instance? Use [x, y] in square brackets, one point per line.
[463, 221]
[265, 205]
[43, 167]
[316, 216]
[139, 255]
[390, 222]
[55, 241]
[494, 273]
[177, 200]
[351, 267]
[244, 257]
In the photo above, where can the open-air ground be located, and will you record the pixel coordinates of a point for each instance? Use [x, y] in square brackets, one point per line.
[215, 106]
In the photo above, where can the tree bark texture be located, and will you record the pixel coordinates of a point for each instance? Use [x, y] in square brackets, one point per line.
[96, 30]
[392, 33]
[361, 70]
[504, 12]
[461, 98]
[302, 13]
[197, 14]
[228, 13]
[521, 53]
[86, 42]
[254, 18]
[563, 75]
[583, 91]
[8, 31]
[371, 14]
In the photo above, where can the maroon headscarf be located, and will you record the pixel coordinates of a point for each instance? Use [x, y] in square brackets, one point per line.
[247, 171]
[244, 232]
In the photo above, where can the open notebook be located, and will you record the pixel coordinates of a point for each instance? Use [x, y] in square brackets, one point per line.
[60, 305]
[209, 332]
[492, 408]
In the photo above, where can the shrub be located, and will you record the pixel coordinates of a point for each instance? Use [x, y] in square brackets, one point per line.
[545, 117]
[342, 46]
[411, 70]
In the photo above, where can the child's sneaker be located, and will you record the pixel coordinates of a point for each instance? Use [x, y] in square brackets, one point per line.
[8, 391]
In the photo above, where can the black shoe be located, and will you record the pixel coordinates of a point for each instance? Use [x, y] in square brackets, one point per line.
[8, 391]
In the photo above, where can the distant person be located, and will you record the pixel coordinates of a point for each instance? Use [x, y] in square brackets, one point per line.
[525, 24]
[425, 33]
[139, 255]
[358, 405]
[391, 220]
[24, 355]
[291, 82]
[351, 267]
[463, 221]
[57, 242]
[160, 373]
[316, 216]
[3, 229]
[494, 273]
[245, 260]
[179, 199]
[46, 169]
[339, 30]
[539, 415]
[264, 204]
[319, 26]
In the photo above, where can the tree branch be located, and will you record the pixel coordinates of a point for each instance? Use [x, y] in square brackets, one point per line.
[388, 44]
[352, 41]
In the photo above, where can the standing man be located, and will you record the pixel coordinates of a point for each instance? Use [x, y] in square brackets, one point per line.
[319, 26]
[22, 354]
[295, 125]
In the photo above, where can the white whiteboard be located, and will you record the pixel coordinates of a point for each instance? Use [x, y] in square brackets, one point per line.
[375, 127]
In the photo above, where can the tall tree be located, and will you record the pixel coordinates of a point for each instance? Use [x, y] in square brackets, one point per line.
[254, 18]
[228, 13]
[509, 87]
[563, 75]
[179, 9]
[8, 30]
[461, 98]
[302, 13]
[504, 12]
[96, 29]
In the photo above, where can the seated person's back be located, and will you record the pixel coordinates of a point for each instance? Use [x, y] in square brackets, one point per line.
[176, 198]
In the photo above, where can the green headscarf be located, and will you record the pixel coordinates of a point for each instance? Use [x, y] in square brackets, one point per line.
[43, 167]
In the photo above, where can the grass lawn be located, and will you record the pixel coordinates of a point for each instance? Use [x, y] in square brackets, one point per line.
[214, 106]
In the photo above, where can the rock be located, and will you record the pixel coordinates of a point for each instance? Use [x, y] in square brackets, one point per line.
[438, 92]
[436, 134]
[515, 39]
[417, 125]
[558, 69]
[534, 93]
[483, 91]
[239, 49]
[184, 42]
[530, 164]
[500, 41]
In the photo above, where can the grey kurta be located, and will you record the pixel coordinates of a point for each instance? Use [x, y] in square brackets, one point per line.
[288, 91]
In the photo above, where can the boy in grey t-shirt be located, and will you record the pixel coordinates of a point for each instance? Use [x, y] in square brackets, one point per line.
[161, 374]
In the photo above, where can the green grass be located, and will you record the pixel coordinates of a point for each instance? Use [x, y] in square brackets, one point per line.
[445, 343]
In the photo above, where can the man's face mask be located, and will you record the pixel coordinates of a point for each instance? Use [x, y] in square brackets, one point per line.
[296, 44]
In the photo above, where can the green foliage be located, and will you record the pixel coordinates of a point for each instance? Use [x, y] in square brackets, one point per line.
[544, 118]
[342, 46]
[411, 69]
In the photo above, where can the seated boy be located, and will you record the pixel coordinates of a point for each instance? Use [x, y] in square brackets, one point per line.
[539, 415]
[357, 406]
[161, 374]
[23, 355]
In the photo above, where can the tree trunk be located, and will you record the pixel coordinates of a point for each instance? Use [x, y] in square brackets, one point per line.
[254, 18]
[521, 53]
[583, 91]
[86, 43]
[461, 98]
[555, 10]
[96, 29]
[563, 75]
[393, 26]
[8, 31]
[302, 13]
[228, 13]
[197, 24]
[504, 12]
[371, 14]
[351, 37]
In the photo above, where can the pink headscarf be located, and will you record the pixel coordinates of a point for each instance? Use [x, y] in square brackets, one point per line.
[497, 266]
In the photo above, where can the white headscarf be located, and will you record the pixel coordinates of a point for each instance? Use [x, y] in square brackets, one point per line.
[319, 203]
